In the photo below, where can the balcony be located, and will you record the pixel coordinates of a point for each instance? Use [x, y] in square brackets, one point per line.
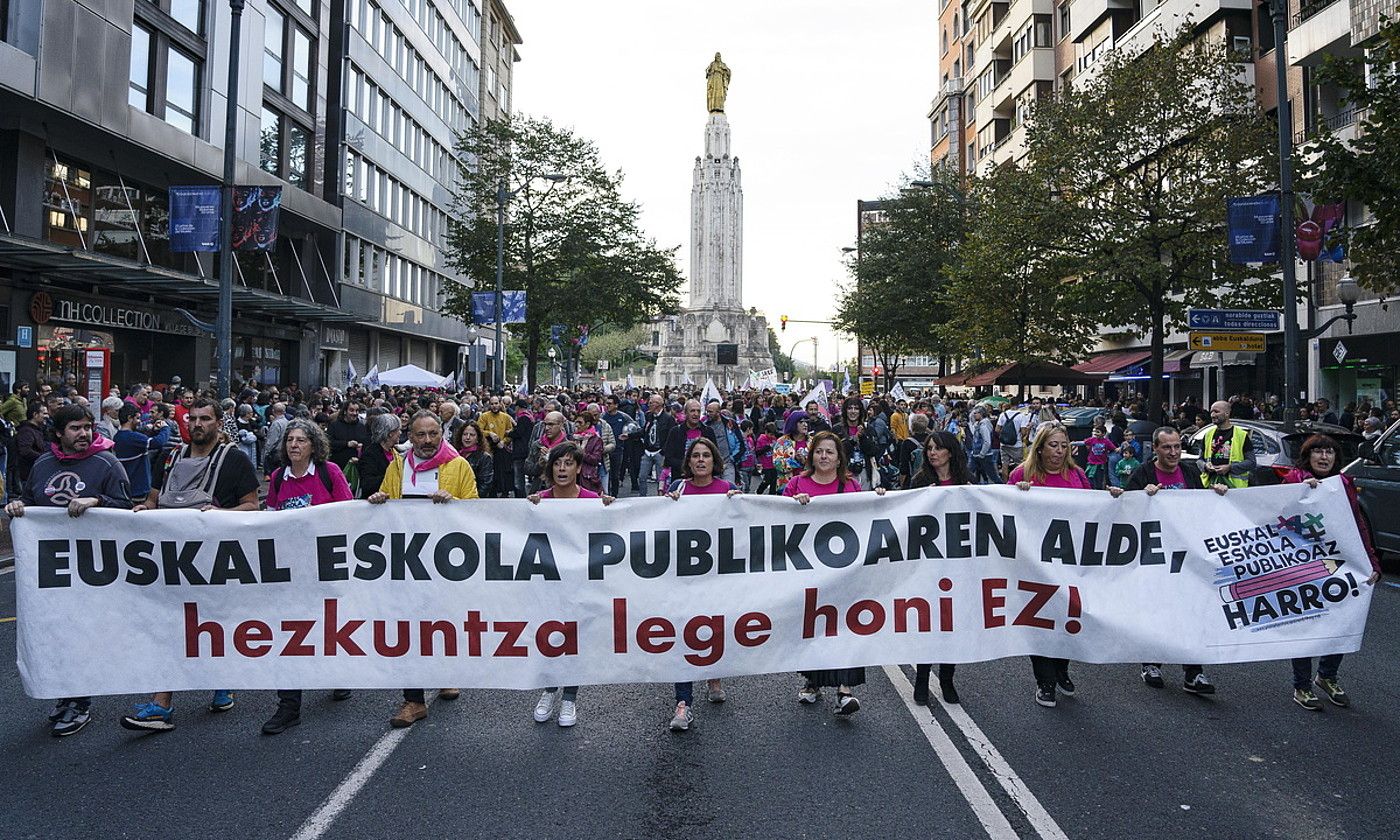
[1167, 17]
[1084, 15]
[1322, 29]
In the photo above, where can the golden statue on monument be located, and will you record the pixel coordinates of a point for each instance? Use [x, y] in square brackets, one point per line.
[717, 85]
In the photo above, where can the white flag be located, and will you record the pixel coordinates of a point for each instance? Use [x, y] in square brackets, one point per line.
[350, 372]
[897, 392]
[522, 390]
[630, 383]
[710, 394]
[607, 388]
[817, 395]
[687, 380]
[729, 384]
[372, 378]
[450, 383]
[845, 382]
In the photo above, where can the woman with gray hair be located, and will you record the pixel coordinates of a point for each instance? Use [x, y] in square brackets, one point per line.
[308, 479]
[375, 457]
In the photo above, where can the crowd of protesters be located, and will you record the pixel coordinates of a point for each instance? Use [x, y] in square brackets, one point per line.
[286, 448]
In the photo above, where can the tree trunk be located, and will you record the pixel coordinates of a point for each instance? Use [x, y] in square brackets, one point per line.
[1154, 370]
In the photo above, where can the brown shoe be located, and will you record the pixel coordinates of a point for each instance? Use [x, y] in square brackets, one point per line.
[449, 693]
[408, 714]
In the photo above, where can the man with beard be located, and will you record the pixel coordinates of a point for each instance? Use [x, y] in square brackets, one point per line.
[348, 434]
[496, 424]
[77, 473]
[206, 474]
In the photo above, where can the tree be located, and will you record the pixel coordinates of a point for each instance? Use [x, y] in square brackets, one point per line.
[1367, 169]
[574, 246]
[1011, 298]
[1141, 160]
[892, 304]
[782, 362]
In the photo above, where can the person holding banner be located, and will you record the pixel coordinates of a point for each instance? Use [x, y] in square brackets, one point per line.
[944, 465]
[698, 479]
[1166, 471]
[561, 479]
[309, 478]
[430, 469]
[828, 473]
[206, 474]
[1318, 460]
[1049, 463]
[77, 462]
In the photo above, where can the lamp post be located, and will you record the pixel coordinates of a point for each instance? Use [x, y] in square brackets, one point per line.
[1348, 292]
[503, 196]
[1278, 10]
[223, 332]
[553, 374]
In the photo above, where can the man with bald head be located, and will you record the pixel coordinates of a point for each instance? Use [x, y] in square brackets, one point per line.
[656, 423]
[552, 433]
[1227, 452]
[683, 434]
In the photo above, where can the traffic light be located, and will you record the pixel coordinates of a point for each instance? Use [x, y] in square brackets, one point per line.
[783, 320]
[875, 371]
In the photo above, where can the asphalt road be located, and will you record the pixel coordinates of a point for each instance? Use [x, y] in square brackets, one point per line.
[1119, 760]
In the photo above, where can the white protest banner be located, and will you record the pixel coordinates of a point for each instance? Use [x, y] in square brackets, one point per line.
[502, 593]
[710, 393]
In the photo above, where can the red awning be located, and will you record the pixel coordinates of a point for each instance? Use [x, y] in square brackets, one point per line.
[1112, 362]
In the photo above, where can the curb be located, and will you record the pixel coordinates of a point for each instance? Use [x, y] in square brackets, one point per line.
[7, 562]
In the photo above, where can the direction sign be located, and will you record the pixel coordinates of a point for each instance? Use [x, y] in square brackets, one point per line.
[1235, 341]
[1266, 320]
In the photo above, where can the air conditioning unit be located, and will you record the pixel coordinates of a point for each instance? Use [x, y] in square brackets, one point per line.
[1242, 45]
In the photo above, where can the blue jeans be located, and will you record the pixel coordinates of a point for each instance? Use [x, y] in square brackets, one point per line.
[652, 463]
[1326, 669]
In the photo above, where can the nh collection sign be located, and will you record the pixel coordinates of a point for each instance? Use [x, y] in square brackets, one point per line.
[122, 317]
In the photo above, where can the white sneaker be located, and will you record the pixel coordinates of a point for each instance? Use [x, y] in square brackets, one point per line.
[681, 720]
[544, 709]
[809, 694]
[568, 713]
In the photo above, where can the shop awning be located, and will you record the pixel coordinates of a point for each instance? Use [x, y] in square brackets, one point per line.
[117, 274]
[1105, 363]
[1176, 361]
[1033, 372]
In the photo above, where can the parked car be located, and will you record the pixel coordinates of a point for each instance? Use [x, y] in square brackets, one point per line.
[1276, 445]
[1376, 473]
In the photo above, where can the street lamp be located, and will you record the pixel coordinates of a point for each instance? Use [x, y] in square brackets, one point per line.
[223, 332]
[1348, 292]
[553, 374]
[503, 196]
[1278, 10]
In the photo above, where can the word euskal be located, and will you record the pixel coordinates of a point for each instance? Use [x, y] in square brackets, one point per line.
[459, 556]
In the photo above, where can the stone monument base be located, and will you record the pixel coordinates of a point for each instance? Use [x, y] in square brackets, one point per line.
[688, 348]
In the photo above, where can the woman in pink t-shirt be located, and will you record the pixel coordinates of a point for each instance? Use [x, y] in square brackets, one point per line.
[698, 479]
[560, 476]
[1049, 463]
[827, 473]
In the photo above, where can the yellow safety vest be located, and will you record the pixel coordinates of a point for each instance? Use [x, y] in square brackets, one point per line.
[1236, 455]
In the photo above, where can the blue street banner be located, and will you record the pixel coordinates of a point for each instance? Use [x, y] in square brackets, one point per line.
[255, 215]
[194, 219]
[484, 307]
[1254, 229]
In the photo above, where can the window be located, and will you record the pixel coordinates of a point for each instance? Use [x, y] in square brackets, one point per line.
[297, 172]
[165, 72]
[301, 69]
[67, 204]
[270, 158]
[181, 90]
[1064, 18]
[139, 87]
[274, 36]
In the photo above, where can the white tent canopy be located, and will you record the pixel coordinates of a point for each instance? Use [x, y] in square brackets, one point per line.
[411, 376]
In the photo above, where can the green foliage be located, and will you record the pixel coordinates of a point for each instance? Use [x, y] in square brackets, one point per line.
[574, 246]
[1141, 160]
[892, 303]
[782, 362]
[1367, 170]
[1009, 299]
[617, 346]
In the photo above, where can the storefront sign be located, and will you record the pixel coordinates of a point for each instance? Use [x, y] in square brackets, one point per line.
[1243, 342]
[24, 337]
[121, 317]
[334, 338]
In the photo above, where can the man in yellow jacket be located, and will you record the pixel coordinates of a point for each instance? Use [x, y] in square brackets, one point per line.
[431, 469]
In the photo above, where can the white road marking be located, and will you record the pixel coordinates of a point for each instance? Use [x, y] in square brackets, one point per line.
[345, 792]
[971, 787]
[1039, 818]
[8, 570]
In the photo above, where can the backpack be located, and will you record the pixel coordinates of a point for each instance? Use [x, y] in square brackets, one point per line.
[274, 484]
[201, 492]
[1008, 430]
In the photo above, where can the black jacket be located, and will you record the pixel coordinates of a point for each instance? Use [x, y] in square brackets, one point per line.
[663, 422]
[1147, 474]
[372, 467]
[674, 450]
[341, 433]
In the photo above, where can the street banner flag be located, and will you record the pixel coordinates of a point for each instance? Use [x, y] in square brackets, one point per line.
[194, 219]
[710, 393]
[1253, 227]
[513, 307]
[501, 593]
[256, 211]
[350, 372]
[372, 378]
[897, 392]
[607, 388]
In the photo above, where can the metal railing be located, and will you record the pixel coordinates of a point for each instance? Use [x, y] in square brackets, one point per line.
[1306, 9]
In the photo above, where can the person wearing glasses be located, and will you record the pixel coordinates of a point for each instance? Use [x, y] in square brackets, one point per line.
[552, 433]
[1049, 463]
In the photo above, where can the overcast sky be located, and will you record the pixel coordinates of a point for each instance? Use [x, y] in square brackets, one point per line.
[827, 105]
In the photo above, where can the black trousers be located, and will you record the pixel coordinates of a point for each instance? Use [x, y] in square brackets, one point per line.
[1048, 669]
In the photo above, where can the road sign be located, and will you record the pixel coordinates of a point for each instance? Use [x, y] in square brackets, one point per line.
[867, 388]
[1234, 341]
[1266, 320]
[24, 336]
[1339, 352]
[602, 364]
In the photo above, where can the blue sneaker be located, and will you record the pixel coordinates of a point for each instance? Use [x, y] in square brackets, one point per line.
[222, 702]
[150, 717]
